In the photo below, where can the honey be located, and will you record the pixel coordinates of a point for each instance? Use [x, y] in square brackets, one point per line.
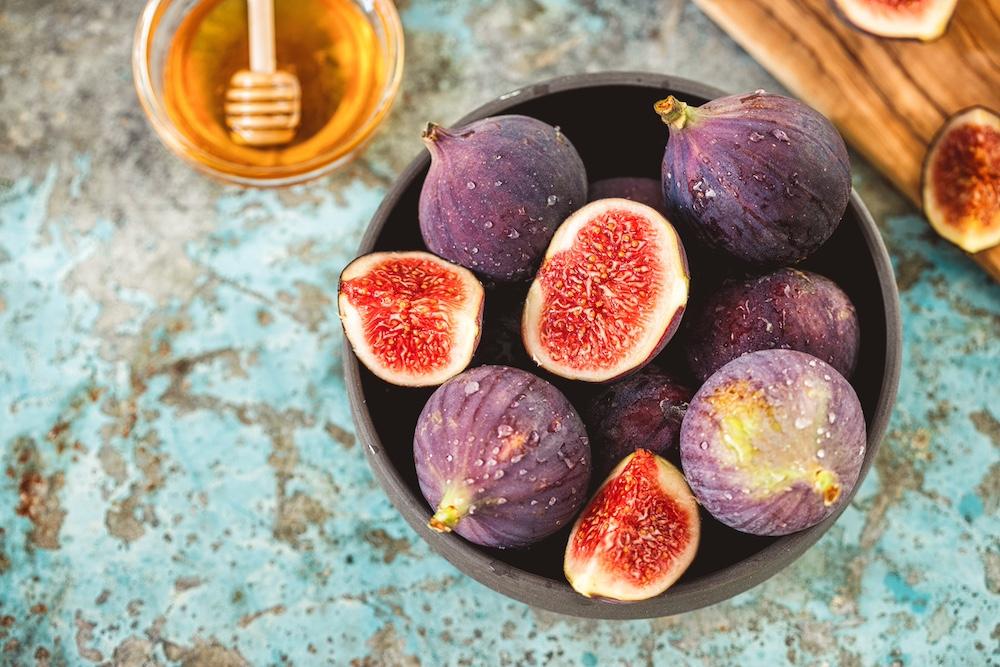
[329, 45]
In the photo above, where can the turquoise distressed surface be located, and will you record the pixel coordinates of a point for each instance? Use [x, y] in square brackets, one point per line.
[180, 483]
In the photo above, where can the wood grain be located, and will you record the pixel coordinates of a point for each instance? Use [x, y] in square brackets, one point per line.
[887, 96]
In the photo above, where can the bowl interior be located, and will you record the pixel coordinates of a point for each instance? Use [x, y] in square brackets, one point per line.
[617, 134]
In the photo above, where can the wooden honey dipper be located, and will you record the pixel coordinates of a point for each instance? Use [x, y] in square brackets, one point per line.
[262, 105]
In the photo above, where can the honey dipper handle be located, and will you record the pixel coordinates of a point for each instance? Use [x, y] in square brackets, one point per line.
[260, 16]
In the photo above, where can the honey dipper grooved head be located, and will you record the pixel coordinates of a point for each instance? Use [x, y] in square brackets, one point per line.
[263, 108]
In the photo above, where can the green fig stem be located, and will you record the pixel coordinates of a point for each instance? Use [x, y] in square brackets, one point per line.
[674, 113]
[450, 511]
[827, 485]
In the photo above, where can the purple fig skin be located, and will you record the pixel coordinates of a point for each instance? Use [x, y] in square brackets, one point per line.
[773, 443]
[761, 176]
[502, 457]
[788, 309]
[646, 191]
[495, 193]
[643, 411]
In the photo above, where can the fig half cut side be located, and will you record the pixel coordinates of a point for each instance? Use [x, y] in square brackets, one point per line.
[961, 180]
[412, 318]
[609, 294]
[637, 535]
[925, 20]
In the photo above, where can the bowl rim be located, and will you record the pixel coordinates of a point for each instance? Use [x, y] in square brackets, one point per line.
[557, 596]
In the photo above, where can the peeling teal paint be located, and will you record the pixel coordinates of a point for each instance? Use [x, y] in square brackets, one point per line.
[903, 592]
[970, 507]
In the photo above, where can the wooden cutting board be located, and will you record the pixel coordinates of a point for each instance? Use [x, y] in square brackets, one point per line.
[887, 96]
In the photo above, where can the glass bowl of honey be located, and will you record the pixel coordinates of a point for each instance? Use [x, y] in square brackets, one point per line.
[346, 54]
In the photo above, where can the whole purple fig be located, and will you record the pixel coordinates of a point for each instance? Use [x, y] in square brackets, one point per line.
[789, 309]
[773, 442]
[643, 411]
[761, 176]
[496, 191]
[501, 456]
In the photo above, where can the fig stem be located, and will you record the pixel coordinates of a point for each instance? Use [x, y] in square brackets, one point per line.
[826, 485]
[673, 112]
[432, 132]
[449, 512]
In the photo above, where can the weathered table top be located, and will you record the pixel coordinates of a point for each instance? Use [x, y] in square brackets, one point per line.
[180, 483]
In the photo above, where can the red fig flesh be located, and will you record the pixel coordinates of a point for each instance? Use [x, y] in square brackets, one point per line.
[638, 535]
[961, 180]
[412, 318]
[916, 19]
[609, 294]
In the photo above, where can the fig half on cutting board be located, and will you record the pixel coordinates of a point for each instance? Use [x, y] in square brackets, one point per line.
[961, 180]
[925, 20]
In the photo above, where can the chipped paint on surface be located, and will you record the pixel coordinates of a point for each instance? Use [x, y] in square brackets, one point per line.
[179, 475]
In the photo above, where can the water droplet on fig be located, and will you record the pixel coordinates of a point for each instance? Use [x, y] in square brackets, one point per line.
[449, 458]
[831, 418]
[503, 430]
[703, 444]
[759, 177]
[501, 501]
[555, 426]
[552, 200]
[497, 183]
[471, 387]
[470, 185]
[728, 496]
[470, 481]
[498, 474]
[475, 250]
[513, 233]
[522, 471]
[801, 422]
[496, 450]
[780, 136]
[552, 501]
[820, 454]
[488, 224]
[497, 156]
[534, 502]
[756, 136]
[491, 462]
[478, 462]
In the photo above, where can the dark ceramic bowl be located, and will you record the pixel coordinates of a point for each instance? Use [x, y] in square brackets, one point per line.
[609, 118]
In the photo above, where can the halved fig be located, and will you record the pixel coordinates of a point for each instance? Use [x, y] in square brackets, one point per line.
[609, 294]
[925, 20]
[637, 536]
[961, 180]
[412, 318]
